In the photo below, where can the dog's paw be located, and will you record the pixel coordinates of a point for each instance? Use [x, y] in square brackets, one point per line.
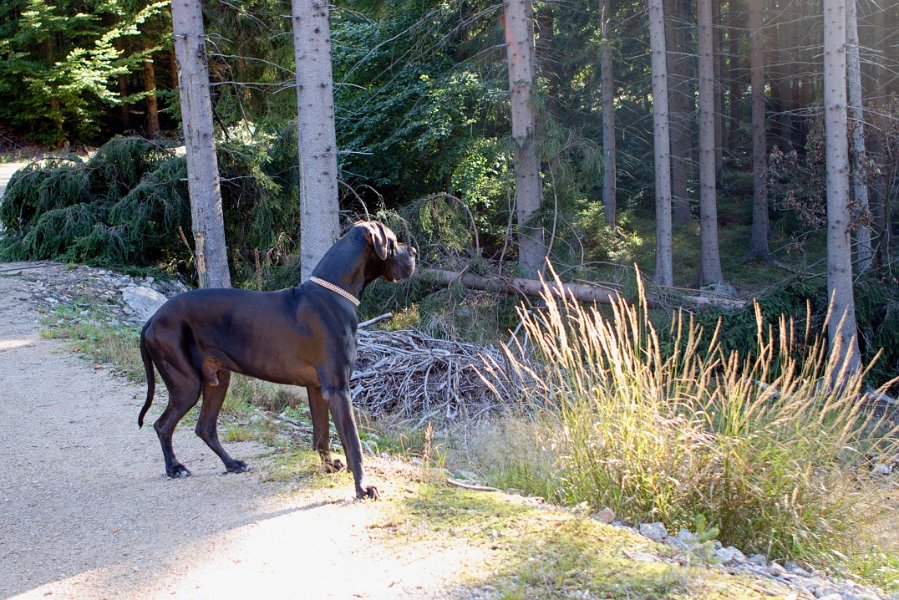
[177, 472]
[333, 466]
[238, 466]
[367, 492]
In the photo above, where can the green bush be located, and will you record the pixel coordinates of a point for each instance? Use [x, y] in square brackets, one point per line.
[129, 205]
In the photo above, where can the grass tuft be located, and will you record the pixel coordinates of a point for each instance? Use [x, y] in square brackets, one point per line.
[764, 448]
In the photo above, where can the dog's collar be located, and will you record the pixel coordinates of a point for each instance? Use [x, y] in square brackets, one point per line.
[340, 291]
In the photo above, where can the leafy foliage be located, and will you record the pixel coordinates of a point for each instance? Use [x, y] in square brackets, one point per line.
[57, 60]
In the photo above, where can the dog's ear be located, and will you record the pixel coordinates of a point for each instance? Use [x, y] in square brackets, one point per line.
[376, 234]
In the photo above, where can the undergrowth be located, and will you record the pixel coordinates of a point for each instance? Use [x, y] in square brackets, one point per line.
[762, 447]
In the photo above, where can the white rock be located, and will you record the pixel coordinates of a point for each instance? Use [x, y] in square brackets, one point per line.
[882, 469]
[654, 531]
[758, 559]
[730, 555]
[143, 301]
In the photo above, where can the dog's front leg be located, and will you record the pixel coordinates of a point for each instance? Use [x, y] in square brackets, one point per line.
[321, 436]
[342, 410]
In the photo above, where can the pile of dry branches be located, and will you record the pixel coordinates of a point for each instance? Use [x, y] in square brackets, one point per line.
[411, 375]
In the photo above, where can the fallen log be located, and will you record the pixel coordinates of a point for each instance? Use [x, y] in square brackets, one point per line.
[580, 291]
[515, 285]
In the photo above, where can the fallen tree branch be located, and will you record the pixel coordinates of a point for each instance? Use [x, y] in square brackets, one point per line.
[516, 285]
[468, 486]
[583, 292]
[385, 317]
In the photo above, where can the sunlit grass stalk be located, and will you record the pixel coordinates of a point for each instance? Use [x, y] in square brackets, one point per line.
[767, 448]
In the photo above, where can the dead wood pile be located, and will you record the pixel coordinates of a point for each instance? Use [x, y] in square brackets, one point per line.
[408, 374]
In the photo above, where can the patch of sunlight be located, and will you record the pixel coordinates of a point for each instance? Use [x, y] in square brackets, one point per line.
[15, 343]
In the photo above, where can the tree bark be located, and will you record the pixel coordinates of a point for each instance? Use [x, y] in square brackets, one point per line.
[841, 325]
[152, 123]
[609, 180]
[861, 217]
[662, 144]
[736, 73]
[210, 251]
[528, 189]
[681, 105]
[758, 241]
[710, 257]
[317, 139]
[718, 57]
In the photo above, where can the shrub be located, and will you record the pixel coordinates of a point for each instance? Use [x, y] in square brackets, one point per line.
[764, 448]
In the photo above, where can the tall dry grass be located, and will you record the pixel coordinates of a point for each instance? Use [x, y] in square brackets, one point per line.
[771, 449]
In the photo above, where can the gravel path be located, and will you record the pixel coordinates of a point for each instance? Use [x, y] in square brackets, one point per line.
[86, 512]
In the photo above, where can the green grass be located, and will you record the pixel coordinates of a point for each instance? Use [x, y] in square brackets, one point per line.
[759, 448]
[539, 552]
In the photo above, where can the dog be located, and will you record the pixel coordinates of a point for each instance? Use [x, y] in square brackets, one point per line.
[305, 335]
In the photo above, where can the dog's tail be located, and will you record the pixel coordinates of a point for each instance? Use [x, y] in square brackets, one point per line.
[151, 376]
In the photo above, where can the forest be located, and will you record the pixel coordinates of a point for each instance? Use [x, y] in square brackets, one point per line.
[720, 177]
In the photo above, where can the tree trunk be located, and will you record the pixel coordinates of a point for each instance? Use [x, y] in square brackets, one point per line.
[710, 257]
[736, 74]
[783, 77]
[152, 123]
[681, 105]
[718, 57]
[841, 325]
[758, 241]
[861, 217]
[317, 140]
[124, 107]
[609, 180]
[528, 191]
[210, 251]
[662, 144]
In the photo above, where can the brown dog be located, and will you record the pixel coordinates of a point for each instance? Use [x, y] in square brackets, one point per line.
[304, 335]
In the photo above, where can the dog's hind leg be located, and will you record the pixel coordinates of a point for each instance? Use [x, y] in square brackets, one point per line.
[207, 428]
[183, 395]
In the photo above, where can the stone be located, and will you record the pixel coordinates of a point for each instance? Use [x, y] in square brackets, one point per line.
[606, 515]
[654, 531]
[882, 469]
[758, 559]
[730, 555]
[687, 537]
[143, 301]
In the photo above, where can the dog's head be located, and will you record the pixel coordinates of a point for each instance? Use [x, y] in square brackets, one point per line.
[389, 258]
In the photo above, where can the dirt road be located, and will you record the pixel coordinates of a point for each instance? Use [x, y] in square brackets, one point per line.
[86, 512]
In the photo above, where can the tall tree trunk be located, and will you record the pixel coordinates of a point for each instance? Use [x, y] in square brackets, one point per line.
[783, 76]
[736, 73]
[681, 105]
[124, 107]
[528, 191]
[210, 251]
[716, 88]
[609, 179]
[758, 242]
[709, 255]
[317, 140]
[864, 250]
[152, 123]
[662, 144]
[842, 325]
